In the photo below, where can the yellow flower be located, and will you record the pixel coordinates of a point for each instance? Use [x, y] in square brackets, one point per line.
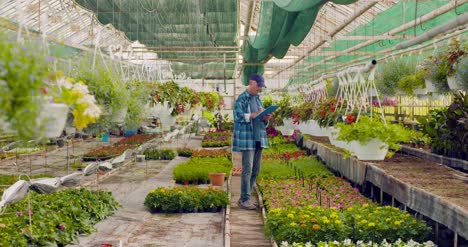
[397, 223]
[337, 222]
[334, 216]
[349, 209]
[313, 220]
[291, 216]
[293, 224]
[387, 220]
[306, 216]
[365, 205]
[312, 214]
[363, 222]
[358, 216]
[180, 192]
[274, 211]
[324, 218]
[162, 190]
[325, 221]
[371, 224]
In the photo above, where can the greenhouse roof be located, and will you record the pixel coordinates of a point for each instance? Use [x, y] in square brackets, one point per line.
[290, 41]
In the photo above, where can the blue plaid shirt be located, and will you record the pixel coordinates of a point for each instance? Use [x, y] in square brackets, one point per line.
[243, 138]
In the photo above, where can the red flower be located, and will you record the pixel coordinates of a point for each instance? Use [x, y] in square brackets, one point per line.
[333, 109]
[323, 113]
[350, 119]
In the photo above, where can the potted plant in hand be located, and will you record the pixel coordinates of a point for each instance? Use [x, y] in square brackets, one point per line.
[371, 139]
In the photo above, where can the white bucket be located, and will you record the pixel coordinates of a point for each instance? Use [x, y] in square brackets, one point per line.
[375, 149]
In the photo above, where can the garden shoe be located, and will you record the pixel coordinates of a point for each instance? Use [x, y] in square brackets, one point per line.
[246, 205]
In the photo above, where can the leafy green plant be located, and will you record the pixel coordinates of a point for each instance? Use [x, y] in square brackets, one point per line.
[367, 129]
[410, 82]
[186, 200]
[138, 98]
[304, 167]
[284, 111]
[197, 169]
[156, 154]
[23, 70]
[57, 218]
[448, 128]
[391, 73]
[185, 152]
[461, 72]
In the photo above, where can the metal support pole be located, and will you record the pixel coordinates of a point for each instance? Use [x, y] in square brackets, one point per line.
[381, 196]
[437, 233]
[393, 201]
[455, 240]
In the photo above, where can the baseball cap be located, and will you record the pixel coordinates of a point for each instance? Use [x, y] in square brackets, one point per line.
[259, 79]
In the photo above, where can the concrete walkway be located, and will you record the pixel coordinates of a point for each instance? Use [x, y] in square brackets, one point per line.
[246, 225]
[133, 225]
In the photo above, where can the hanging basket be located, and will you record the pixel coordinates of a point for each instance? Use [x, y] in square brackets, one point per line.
[430, 86]
[375, 149]
[453, 83]
[53, 116]
[217, 179]
[333, 133]
[316, 130]
[287, 128]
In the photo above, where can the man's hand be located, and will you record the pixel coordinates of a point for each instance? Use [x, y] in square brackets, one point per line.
[255, 114]
[267, 118]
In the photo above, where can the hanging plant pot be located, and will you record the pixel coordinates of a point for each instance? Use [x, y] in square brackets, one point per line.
[453, 83]
[375, 149]
[287, 128]
[53, 116]
[430, 86]
[333, 133]
[217, 179]
[316, 130]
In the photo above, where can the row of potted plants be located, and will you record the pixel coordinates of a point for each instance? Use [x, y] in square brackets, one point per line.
[56, 219]
[107, 152]
[325, 208]
[360, 243]
[217, 139]
[304, 167]
[197, 170]
[158, 154]
[186, 200]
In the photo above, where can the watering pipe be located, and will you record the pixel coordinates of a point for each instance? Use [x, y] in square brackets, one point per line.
[460, 21]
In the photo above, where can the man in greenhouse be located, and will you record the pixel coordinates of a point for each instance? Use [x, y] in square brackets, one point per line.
[250, 136]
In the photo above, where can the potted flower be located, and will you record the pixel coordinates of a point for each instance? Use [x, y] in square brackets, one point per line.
[371, 139]
[75, 95]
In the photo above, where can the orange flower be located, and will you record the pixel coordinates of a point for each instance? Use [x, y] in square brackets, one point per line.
[315, 227]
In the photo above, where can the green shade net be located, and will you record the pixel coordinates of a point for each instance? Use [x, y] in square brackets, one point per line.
[177, 23]
[282, 23]
[394, 17]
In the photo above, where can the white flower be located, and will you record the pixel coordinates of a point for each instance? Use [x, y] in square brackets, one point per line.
[308, 244]
[429, 244]
[81, 88]
[93, 111]
[347, 242]
[284, 244]
[63, 82]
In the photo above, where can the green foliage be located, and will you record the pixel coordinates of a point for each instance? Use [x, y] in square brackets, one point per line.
[156, 154]
[186, 200]
[414, 81]
[197, 169]
[185, 152]
[448, 128]
[367, 129]
[307, 167]
[332, 87]
[280, 148]
[284, 111]
[217, 139]
[23, 70]
[57, 219]
[107, 87]
[461, 72]
[391, 73]
[138, 98]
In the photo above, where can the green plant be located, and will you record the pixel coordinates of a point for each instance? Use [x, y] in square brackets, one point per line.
[410, 82]
[186, 200]
[156, 154]
[57, 218]
[138, 98]
[448, 128]
[284, 111]
[367, 129]
[23, 70]
[391, 73]
[185, 152]
[197, 169]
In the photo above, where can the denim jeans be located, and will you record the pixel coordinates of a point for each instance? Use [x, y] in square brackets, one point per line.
[251, 160]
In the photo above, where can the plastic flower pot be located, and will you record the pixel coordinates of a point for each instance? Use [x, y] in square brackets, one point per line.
[333, 133]
[316, 130]
[453, 83]
[54, 117]
[130, 133]
[105, 138]
[217, 179]
[375, 149]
